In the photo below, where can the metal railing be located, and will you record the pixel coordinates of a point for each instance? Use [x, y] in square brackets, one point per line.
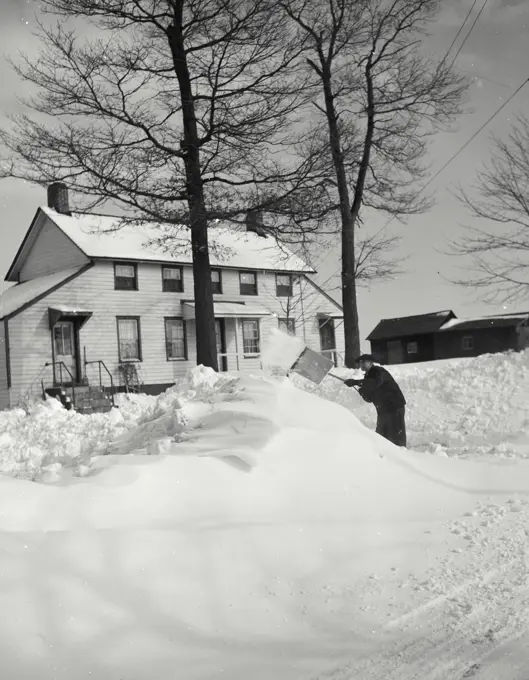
[60, 382]
[101, 366]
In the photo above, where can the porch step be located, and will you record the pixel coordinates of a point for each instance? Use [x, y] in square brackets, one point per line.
[88, 399]
[92, 400]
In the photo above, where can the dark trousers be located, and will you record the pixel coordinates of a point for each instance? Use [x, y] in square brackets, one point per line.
[392, 426]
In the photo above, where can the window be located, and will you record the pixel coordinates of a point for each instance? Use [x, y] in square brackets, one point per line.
[125, 276]
[129, 342]
[216, 281]
[248, 283]
[283, 285]
[175, 339]
[287, 326]
[467, 342]
[327, 335]
[250, 336]
[172, 280]
[62, 334]
[412, 348]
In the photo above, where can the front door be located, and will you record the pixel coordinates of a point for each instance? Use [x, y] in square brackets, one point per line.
[65, 352]
[395, 352]
[220, 335]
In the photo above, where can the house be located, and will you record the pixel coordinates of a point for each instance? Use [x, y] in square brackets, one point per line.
[96, 306]
[441, 335]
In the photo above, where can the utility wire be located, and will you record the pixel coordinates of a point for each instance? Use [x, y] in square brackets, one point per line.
[451, 65]
[459, 33]
[470, 29]
[473, 137]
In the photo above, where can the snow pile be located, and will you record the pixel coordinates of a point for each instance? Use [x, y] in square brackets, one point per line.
[336, 552]
[464, 407]
[40, 443]
[275, 536]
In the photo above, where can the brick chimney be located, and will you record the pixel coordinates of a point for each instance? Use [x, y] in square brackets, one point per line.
[255, 222]
[58, 198]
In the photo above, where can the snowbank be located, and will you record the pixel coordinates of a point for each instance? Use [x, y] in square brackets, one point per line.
[273, 535]
[462, 407]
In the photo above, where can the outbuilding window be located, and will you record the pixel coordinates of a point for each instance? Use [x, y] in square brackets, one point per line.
[467, 343]
[412, 348]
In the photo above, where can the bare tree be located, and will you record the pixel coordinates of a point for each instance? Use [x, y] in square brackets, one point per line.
[380, 100]
[499, 244]
[177, 111]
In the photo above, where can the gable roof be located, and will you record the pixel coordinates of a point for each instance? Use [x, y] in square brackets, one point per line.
[501, 321]
[18, 296]
[228, 247]
[420, 324]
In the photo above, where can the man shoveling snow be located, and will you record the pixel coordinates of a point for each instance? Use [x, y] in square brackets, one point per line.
[379, 388]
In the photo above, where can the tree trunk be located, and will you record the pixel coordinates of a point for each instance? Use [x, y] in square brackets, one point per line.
[349, 304]
[349, 278]
[204, 312]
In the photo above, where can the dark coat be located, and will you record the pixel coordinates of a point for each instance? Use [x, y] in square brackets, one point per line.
[379, 388]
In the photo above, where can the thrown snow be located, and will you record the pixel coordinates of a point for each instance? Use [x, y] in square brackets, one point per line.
[281, 351]
[268, 534]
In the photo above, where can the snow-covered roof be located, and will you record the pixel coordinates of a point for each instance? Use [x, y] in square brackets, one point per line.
[228, 246]
[419, 324]
[22, 293]
[332, 314]
[477, 323]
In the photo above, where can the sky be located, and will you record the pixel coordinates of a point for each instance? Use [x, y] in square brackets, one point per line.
[495, 57]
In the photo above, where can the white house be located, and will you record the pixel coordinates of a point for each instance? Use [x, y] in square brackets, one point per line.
[93, 308]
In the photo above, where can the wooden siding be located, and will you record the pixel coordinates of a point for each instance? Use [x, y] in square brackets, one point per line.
[30, 337]
[51, 252]
[380, 349]
[522, 337]
[449, 345]
[4, 388]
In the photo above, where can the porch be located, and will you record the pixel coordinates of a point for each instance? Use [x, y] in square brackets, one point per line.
[86, 385]
[238, 332]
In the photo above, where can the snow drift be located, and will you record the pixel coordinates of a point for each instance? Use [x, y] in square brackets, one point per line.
[462, 407]
[251, 530]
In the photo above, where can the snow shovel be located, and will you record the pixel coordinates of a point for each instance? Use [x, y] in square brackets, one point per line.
[314, 366]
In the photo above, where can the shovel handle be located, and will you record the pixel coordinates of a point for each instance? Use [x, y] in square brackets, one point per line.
[333, 375]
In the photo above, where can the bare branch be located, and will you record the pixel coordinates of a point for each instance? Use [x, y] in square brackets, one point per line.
[498, 245]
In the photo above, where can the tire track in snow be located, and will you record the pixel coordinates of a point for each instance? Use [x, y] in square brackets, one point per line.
[450, 635]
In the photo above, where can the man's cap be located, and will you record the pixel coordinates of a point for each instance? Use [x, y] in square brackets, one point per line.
[365, 357]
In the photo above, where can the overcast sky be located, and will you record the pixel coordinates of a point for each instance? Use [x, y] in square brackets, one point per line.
[495, 56]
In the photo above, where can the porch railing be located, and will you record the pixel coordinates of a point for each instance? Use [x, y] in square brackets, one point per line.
[331, 354]
[62, 366]
[103, 367]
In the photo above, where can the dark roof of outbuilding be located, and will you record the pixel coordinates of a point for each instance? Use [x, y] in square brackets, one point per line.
[421, 324]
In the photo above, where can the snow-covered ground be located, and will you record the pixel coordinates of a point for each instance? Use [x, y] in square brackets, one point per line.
[249, 528]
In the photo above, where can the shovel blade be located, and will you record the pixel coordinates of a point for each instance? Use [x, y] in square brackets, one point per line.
[312, 366]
